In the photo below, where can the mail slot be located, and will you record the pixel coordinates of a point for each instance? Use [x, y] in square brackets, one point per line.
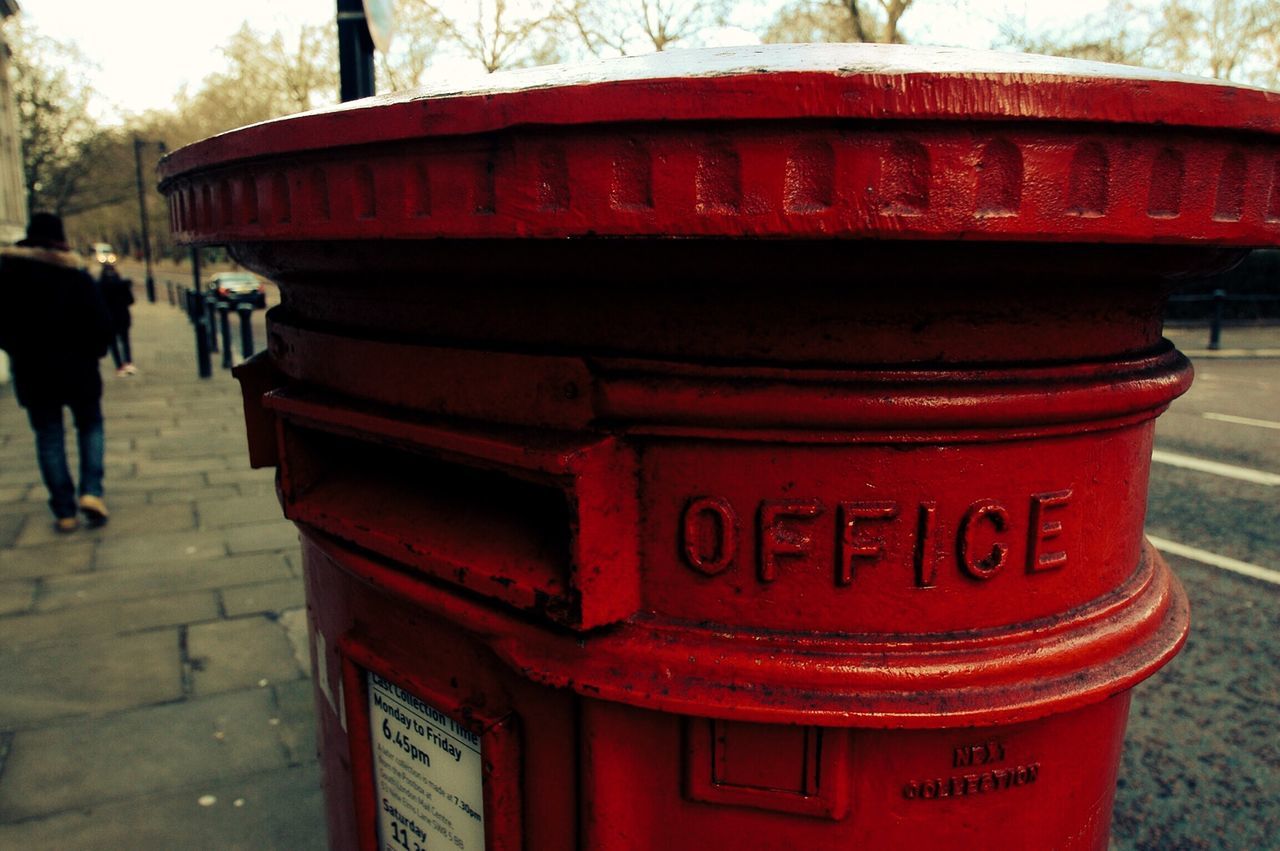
[740, 448]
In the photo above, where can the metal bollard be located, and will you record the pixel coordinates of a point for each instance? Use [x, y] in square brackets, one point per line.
[168, 288]
[1215, 327]
[210, 314]
[188, 304]
[195, 270]
[224, 323]
[246, 329]
[203, 364]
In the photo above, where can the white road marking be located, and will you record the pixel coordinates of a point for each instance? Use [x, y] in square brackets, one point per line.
[1249, 421]
[1203, 377]
[1231, 353]
[1204, 556]
[1230, 471]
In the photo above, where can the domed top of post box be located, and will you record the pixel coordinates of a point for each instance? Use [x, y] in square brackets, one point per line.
[797, 141]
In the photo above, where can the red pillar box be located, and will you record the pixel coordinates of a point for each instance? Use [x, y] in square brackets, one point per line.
[735, 449]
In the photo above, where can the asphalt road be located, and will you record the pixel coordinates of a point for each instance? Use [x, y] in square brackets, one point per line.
[1201, 765]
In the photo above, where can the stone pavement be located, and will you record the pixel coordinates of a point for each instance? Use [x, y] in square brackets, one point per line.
[154, 687]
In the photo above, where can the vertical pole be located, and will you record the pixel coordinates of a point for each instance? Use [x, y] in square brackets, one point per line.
[1215, 329]
[246, 329]
[224, 321]
[211, 316]
[142, 209]
[195, 270]
[203, 364]
[355, 52]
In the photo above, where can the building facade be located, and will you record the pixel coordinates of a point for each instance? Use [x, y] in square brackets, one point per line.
[13, 197]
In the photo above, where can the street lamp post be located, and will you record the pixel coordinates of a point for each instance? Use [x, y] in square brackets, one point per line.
[355, 52]
[142, 209]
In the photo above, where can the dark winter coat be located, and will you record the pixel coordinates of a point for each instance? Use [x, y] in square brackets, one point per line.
[53, 324]
[117, 292]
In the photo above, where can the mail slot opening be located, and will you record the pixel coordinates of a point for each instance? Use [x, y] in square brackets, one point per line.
[441, 517]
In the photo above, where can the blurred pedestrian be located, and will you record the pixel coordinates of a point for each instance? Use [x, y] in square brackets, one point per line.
[55, 327]
[117, 292]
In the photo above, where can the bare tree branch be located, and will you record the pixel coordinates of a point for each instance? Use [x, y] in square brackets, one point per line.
[623, 27]
[839, 20]
[498, 36]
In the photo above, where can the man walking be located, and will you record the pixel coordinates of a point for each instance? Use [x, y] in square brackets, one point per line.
[55, 327]
[117, 294]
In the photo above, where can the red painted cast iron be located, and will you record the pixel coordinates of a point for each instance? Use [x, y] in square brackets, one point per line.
[735, 448]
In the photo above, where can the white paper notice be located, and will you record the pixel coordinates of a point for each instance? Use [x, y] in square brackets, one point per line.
[427, 775]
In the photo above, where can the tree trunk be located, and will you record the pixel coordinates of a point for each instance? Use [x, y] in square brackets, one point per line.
[859, 29]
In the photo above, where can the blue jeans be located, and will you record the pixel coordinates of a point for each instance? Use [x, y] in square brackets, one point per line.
[121, 353]
[51, 452]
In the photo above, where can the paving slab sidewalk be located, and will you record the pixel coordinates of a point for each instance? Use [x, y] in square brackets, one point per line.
[154, 689]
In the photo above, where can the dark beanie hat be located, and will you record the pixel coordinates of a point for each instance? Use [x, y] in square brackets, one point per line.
[46, 229]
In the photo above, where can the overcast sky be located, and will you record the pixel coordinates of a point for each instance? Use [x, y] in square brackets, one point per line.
[146, 49]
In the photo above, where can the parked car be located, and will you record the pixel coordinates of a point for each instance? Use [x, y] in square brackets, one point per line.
[104, 253]
[236, 287]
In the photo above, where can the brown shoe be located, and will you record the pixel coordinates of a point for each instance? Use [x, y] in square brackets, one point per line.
[94, 509]
[66, 525]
